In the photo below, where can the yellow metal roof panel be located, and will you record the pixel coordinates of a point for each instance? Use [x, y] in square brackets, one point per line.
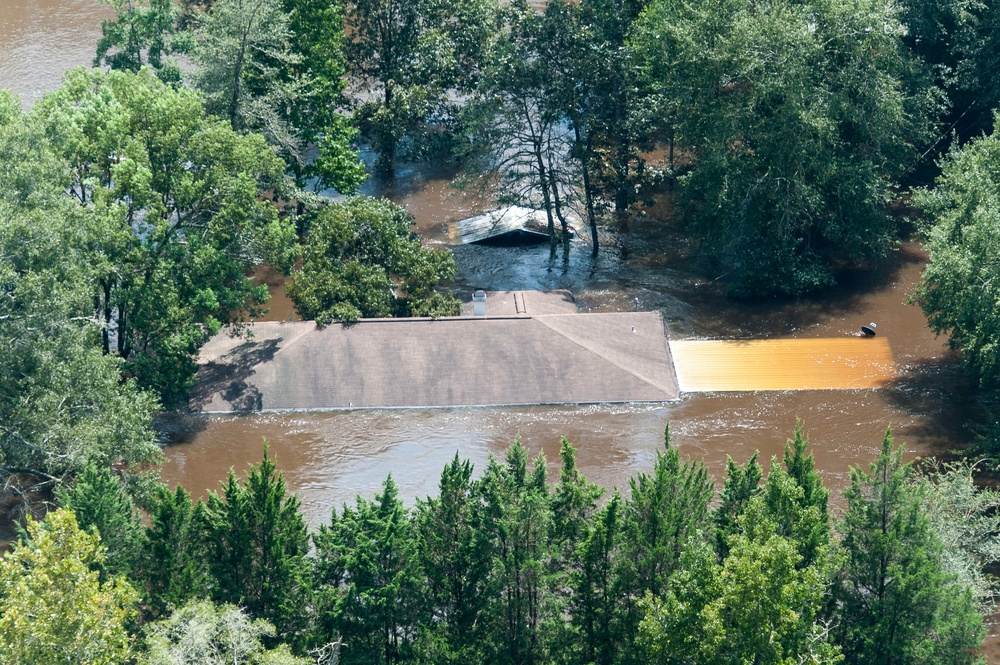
[783, 364]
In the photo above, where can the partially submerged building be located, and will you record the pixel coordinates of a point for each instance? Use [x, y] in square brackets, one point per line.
[512, 348]
[513, 224]
[527, 348]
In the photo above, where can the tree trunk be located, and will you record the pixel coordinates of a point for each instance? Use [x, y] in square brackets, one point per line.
[234, 101]
[587, 192]
[623, 193]
[386, 140]
[670, 158]
[559, 213]
[546, 198]
[123, 349]
[106, 331]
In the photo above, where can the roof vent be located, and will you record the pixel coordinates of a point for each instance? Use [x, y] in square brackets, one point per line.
[479, 303]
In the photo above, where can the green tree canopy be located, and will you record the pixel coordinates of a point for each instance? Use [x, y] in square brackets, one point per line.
[54, 610]
[174, 565]
[455, 558]
[317, 110]
[61, 402]
[760, 606]
[797, 117]
[407, 54]
[795, 500]
[593, 605]
[257, 541]
[243, 53]
[173, 217]
[966, 518]
[959, 39]
[98, 499]
[317, 37]
[143, 34]
[741, 485]
[619, 113]
[518, 517]
[277, 67]
[959, 291]
[897, 603]
[361, 261]
[374, 581]
[666, 517]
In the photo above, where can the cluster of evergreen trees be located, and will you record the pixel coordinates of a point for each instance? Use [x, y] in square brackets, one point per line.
[504, 568]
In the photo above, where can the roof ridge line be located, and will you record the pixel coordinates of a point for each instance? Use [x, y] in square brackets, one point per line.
[291, 341]
[656, 384]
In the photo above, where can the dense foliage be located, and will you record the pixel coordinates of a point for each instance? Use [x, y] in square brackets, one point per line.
[142, 35]
[361, 260]
[960, 292]
[793, 124]
[54, 608]
[505, 567]
[130, 217]
[799, 118]
[171, 199]
[899, 603]
[408, 56]
[558, 117]
[62, 401]
[244, 50]
[130, 222]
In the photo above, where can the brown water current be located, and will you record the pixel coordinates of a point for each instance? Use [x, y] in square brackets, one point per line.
[328, 458]
[41, 39]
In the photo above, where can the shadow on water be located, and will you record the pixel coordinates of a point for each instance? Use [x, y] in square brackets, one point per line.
[943, 401]
[176, 428]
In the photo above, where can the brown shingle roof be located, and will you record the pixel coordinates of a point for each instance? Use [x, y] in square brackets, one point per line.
[529, 303]
[548, 359]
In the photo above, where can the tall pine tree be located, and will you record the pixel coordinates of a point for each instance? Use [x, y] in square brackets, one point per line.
[742, 484]
[518, 516]
[257, 543]
[101, 504]
[897, 605]
[175, 559]
[593, 603]
[455, 556]
[667, 514]
[378, 605]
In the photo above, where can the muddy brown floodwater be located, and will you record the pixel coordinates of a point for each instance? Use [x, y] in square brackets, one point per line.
[41, 39]
[329, 458]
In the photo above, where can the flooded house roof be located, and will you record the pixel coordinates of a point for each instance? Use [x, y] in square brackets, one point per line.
[524, 359]
[512, 348]
[505, 223]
